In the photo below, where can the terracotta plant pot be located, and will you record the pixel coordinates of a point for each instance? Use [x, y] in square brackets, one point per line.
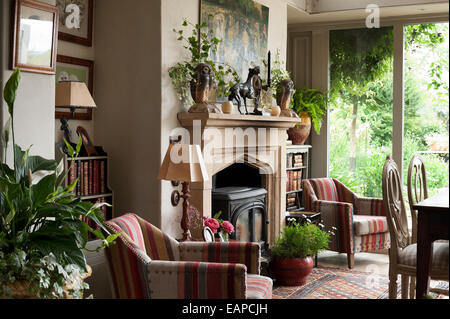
[300, 133]
[291, 271]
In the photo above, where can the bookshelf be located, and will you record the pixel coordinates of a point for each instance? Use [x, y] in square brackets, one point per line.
[297, 169]
[93, 181]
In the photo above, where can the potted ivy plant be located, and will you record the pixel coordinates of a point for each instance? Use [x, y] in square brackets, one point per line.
[311, 107]
[201, 44]
[292, 253]
[43, 232]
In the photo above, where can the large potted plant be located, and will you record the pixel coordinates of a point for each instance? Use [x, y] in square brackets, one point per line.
[42, 232]
[292, 253]
[311, 107]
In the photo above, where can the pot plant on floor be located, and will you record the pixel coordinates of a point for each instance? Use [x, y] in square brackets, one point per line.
[42, 235]
[292, 253]
[311, 106]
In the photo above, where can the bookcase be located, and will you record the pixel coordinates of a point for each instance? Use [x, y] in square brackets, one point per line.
[297, 169]
[93, 181]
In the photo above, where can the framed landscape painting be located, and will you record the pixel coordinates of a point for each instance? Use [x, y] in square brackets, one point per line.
[243, 26]
[75, 69]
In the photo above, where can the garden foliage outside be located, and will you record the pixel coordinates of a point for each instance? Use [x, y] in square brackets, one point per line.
[361, 108]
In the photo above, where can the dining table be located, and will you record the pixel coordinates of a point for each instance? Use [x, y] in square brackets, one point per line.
[432, 225]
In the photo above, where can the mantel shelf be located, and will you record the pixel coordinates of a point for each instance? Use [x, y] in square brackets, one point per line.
[236, 120]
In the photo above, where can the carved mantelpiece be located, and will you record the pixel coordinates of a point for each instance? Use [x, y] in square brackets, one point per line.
[258, 141]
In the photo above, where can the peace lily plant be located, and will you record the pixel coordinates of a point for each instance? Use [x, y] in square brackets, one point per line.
[42, 234]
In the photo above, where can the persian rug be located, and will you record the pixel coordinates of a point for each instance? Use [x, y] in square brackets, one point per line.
[334, 283]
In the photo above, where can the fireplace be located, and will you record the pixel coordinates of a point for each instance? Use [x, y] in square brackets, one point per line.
[238, 194]
[245, 157]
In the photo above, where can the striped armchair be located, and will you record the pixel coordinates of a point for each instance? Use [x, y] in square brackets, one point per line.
[147, 263]
[360, 222]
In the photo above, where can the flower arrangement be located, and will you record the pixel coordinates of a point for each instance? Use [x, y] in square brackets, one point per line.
[218, 226]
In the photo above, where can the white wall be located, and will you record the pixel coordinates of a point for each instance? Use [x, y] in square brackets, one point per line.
[173, 13]
[35, 103]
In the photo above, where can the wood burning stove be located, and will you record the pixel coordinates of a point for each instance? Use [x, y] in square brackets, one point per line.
[245, 208]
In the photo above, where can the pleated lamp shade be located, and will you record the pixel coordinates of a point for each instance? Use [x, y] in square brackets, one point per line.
[73, 94]
[183, 163]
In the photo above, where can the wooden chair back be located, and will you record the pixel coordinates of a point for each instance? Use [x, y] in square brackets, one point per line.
[394, 206]
[417, 189]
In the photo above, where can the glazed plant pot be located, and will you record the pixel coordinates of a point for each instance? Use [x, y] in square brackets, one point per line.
[300, 133]
[291, 271]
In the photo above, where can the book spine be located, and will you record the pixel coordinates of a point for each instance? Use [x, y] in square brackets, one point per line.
[95, 182]
[86, 178]
[102, 177]
[91, 177]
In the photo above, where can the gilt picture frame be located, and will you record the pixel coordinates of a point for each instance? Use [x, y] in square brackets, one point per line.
[75, 69]
[34, 38]
[75, 21]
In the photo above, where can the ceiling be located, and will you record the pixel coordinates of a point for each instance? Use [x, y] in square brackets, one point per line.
[298, 16]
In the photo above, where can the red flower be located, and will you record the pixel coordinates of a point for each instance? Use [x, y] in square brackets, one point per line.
[213, 224]
[227, 227]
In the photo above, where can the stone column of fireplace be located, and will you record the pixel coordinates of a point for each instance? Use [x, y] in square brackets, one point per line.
[258, 141]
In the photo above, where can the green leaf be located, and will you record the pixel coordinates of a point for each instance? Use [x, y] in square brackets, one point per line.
[10, 91]
[41, 191]
[70, 149]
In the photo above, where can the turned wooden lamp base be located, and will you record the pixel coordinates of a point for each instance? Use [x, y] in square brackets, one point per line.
[185, 222]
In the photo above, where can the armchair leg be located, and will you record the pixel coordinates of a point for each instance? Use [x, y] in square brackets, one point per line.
[351, 260]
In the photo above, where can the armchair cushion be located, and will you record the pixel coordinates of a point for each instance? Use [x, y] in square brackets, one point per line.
[325, 189]
[259, 287]
[366, 225]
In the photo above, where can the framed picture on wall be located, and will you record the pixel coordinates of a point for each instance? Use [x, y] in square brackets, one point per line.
[75, 69]
[34, 37]
[243, 27]
[76, 21]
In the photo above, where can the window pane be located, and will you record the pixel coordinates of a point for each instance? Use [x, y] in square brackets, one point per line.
[361, 91]
[426, 102]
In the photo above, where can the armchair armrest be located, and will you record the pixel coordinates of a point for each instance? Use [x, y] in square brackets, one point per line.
[340, 216]
[370, 206]
[196, 280]
[248, 254]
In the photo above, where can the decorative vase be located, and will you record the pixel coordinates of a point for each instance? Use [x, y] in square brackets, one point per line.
[300, 133]
[223, 236]
[291, 271]
[227, 107]
[275, 110]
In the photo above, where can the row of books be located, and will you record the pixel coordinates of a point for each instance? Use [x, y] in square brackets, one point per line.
[91, 177]
[104, 210]
[292, 201]
[294, 180]
[294, 160]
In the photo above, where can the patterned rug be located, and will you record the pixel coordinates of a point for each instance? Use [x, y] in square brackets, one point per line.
[334, 283]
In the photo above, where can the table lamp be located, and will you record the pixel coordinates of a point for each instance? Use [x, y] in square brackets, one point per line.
[184, 163]
[73, 95]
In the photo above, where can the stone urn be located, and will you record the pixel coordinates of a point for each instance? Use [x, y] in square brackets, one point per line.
[291, 271]
[300, 133]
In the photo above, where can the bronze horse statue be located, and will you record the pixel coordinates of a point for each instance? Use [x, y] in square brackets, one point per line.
[251, 89]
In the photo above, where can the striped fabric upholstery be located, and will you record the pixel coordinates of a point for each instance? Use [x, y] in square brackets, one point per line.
[127, 266]
[234, 252]
[366, 225]
[159, 246]
[146, 263]
[349, 214]
[440, 259]
[196, 280]
[259, 287]
[325, 189]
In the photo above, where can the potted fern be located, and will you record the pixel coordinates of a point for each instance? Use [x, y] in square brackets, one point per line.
[292, 253]
[311, 106]
[42, 234]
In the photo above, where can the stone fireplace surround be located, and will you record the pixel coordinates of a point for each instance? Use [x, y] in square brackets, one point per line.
[257, 141]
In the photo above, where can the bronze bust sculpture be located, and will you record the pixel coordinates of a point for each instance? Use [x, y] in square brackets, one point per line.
[285, 91]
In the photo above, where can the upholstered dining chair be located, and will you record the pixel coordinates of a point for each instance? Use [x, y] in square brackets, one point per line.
[148, 263]
[403, 252]
[417, 192]
[360, 222]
